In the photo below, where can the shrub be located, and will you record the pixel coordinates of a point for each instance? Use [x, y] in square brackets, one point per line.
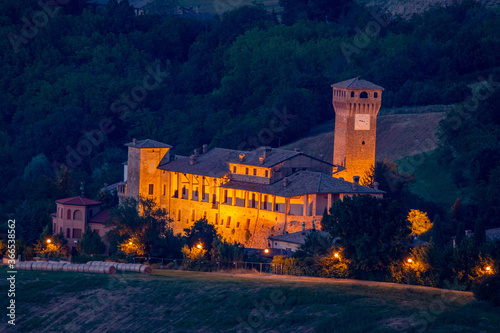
[489, 290]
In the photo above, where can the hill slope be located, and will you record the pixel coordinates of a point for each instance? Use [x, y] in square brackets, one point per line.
[400, 132]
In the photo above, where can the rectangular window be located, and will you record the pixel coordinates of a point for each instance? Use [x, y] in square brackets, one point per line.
[60, 230]
[255, 172]
[267, 173]
[234, 169]
[192, 215]
[253, 200]
[246, 171]
[265, 202]
[54, 228]
[228, 223]
[179, 215]
[238, 224]
[247, 226]
[68, 233]
[216, 218]
[77, 233]
[164, 189]
[151, 188]
[225, 196]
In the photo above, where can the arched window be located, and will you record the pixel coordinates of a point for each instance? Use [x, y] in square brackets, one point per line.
[375, 95]
[364, 94]
[77, 215]
[60, 212]
[68, 214]
[352, 93]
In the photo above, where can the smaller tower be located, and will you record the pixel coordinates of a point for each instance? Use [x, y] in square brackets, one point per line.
[356, 103]
[143, 177]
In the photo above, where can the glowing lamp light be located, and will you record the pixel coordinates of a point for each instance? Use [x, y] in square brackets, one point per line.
[336, 255]
[266, 251]
[410, 260]
[48, 241]
[488, 268]
[199, 246]
[130, 243]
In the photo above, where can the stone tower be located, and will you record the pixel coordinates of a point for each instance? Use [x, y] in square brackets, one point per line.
[143, 177]
[356, 103]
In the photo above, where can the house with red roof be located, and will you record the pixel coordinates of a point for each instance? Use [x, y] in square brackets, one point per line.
[74, 214]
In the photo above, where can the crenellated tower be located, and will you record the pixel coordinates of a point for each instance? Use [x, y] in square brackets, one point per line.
[356, 103]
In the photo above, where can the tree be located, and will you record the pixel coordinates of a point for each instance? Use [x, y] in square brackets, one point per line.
[372, 231]
[201, 233]
[91, 243]
[141, 233]
[419, 221]
[314, 245]
[437, 232]
[224, 252]
[479, 233]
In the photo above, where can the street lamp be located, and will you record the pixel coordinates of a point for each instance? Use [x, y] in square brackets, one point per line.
[410, 261]
[199, 246]
[336, 255]
[266, 251]
[488, 269]
[48, 241]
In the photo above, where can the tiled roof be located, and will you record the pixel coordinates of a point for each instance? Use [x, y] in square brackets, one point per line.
[297, 237]
[356, 83]
[100, 217]
[273, 157]
[211, 164]
[78, 201]
[303, 182]
[147, 143]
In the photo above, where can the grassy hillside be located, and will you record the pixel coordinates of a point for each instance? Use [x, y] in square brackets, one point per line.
[432, 182]
[401, 132]
[176, 301]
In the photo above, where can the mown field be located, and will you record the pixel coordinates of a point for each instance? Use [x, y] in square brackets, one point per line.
[177, 301]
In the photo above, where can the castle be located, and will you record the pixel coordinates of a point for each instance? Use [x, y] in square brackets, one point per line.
[250, 196]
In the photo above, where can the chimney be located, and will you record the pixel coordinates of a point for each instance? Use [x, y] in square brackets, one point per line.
[192, 160]
[375, 185]
[262, 158]
[241, 156]
[134, 141]
[285, 182]
[355, 183]
[205, 149]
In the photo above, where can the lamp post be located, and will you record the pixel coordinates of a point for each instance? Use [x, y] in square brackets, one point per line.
[410, 261]
[199, 246]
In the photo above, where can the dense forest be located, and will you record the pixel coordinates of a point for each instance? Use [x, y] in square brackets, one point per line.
[79, 81]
